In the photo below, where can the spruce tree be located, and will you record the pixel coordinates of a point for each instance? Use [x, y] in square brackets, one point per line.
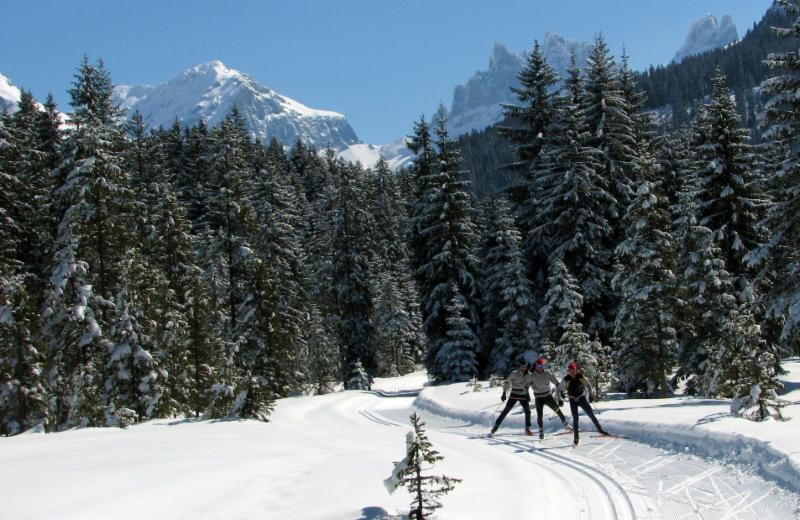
[447, 230]
[353, 298]
[507, 301]
[456, 354]
[533, 116]
[420, 457]
[571, 206]
[87, 265]
[729, 200]
[563, 303]
[779, 256]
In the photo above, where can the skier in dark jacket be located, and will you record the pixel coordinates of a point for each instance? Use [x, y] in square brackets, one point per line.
[578, 390]
[518, 382]
[541, 381]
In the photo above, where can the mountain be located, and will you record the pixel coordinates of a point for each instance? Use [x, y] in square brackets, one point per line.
[477, 104]
[679, 87]
[707, 34]
[212, 89]
[396, 154]
[9, 95]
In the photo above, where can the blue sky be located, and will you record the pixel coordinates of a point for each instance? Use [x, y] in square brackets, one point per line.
[380, 62]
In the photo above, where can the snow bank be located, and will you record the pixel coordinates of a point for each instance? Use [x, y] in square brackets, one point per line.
[702, 427]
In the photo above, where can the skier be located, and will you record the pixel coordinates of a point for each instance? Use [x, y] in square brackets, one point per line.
[543, 394]
[578, 390]
[518, 382]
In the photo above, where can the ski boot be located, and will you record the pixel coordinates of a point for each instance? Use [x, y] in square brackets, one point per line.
[541, 434]
[528, 432]
[491, 433]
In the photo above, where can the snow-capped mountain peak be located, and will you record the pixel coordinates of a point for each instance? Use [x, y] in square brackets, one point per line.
[211, 90]
[707, 34]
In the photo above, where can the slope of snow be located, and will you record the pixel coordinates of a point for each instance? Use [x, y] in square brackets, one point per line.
[9, 95]
[707, 34]
[701, 426]
[396, 154]
[325, 457]
[212, 89]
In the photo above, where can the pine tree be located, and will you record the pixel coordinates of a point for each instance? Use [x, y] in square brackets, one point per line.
[278, 320]
[229, 220]
[425, 489]
[353, 298]
[779, 256]
[507, 299]
[447, 231]
[456, 354]
[563, 303]
[744, 366]
[89, 249]
[134, 385]
[611, 130]
[645, 333]
[396, 332]
[421, 145]
[729, 201]
[572, 200]
[23, 400]
[537, 98]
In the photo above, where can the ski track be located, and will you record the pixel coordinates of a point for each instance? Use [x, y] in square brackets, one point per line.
[605, 485]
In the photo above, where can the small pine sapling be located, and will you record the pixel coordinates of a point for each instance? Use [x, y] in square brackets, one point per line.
[426, 489]
[475, 385]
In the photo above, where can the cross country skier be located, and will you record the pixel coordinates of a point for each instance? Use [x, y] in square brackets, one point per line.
[518, 382]
[543, 394]
[578, 390]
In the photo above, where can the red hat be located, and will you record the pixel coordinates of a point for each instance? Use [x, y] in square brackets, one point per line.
[540, 361]
[572, 366]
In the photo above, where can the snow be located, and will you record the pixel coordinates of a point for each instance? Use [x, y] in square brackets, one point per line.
[210, 90]
[396, 154]
[9, 95]
[328, 457]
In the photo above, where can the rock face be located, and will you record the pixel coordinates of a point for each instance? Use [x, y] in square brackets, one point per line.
[9, 95]
[707, 34]
[212, 89]
[477, 104]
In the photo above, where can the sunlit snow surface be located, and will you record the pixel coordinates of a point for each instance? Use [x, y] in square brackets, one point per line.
[326, 457]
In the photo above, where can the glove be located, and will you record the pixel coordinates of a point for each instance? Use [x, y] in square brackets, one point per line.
[503, 397]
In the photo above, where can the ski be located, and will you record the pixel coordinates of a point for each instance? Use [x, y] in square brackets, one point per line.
[566, 432]
[608, 435]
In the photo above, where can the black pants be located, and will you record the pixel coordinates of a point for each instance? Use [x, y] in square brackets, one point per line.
[524, 401]
[549, 401]
[583, 403]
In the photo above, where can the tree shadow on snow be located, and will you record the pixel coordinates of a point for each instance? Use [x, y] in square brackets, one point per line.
[378, 513]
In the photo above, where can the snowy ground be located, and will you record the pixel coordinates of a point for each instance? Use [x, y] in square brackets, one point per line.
[325, 458]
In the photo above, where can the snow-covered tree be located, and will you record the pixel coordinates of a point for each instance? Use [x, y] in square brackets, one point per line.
[533, 116]
[611, 130]
[729, 199]
[563, 303]
[409, 472]
[779, 256]
[456, 354]
[744, 366]
[447, 230]
[87, 265]
[571, 206]
[507, 300]
[645, 332]
[353, 298]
